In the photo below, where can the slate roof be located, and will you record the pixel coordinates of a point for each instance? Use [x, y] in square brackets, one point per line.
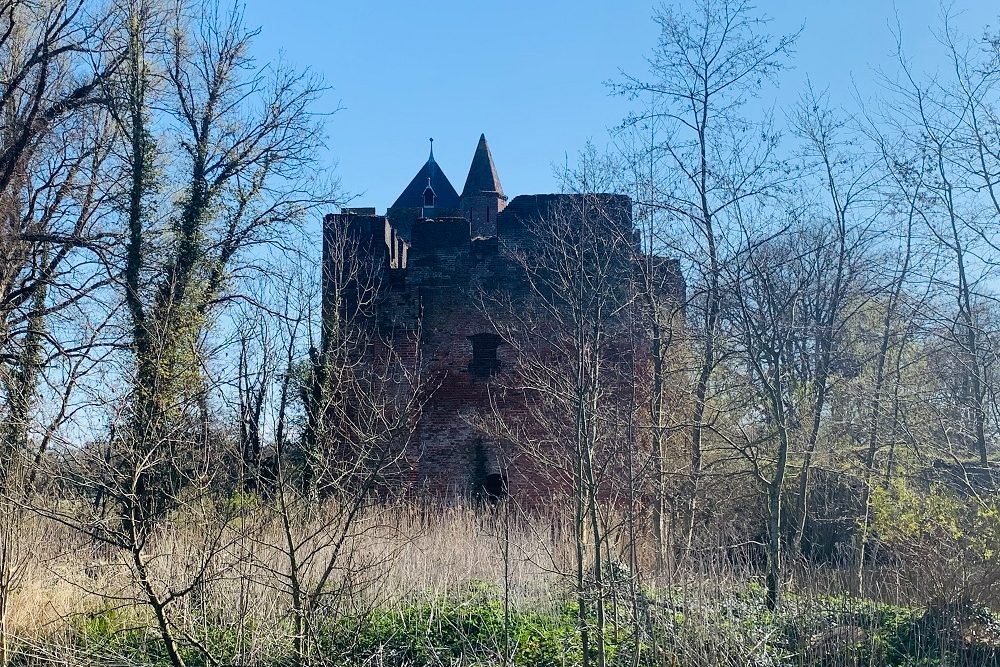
[413, 195]
[483, 173]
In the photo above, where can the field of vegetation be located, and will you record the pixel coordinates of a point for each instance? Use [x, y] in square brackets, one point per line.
[457, 586]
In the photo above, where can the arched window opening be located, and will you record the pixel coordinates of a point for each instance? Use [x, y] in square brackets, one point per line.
[495, 487]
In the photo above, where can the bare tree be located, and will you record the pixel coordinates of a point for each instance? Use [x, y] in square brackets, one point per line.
[708, 63]
[573, 365]
[54, 151]
[943, 123]
[904, 186]
[841, 259]
[768, 288]
[360, 395]
[660, 294]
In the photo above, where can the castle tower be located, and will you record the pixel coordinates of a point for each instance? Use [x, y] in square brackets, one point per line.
[482, 197]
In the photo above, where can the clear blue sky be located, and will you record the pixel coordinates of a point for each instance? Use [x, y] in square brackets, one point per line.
[530, 73]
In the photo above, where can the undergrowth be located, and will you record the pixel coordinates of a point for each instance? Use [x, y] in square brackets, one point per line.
[668, 627]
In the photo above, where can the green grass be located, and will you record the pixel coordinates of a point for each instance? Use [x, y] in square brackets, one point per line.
[471, 629]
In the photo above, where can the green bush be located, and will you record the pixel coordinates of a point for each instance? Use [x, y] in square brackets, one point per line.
[119, 632]
[124, 636]
[470, 630]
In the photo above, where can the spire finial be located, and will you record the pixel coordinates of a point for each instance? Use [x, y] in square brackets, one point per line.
[431, 158]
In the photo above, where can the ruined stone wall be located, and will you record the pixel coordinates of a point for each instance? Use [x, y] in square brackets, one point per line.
[444, 275]
[435, 309]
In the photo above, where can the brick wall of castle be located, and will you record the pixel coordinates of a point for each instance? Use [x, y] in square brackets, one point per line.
[432, 308]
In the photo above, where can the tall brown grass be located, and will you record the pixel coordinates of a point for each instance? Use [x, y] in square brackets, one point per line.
[393, 556]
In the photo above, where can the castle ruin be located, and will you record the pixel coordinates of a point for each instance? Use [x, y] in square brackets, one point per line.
[439, 250]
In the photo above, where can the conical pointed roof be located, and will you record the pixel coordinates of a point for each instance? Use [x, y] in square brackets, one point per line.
[483, 173]
[445, 196]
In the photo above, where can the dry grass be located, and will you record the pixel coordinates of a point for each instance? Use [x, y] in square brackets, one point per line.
[391, 557]
[51, 581]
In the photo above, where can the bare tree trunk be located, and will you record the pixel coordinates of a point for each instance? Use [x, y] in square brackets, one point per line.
[657, 400]
[583, 621]
[712, 299]
[772, 596]
[156, 604]
[10, 518]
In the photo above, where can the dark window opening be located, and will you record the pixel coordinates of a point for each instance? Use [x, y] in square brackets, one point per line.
[428, 197]
[495, 487]
[485, 361]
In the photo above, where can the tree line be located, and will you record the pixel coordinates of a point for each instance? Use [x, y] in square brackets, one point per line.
[823, 389]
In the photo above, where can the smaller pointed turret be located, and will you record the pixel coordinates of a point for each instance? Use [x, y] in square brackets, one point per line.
[482, 196]
[483, 173]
